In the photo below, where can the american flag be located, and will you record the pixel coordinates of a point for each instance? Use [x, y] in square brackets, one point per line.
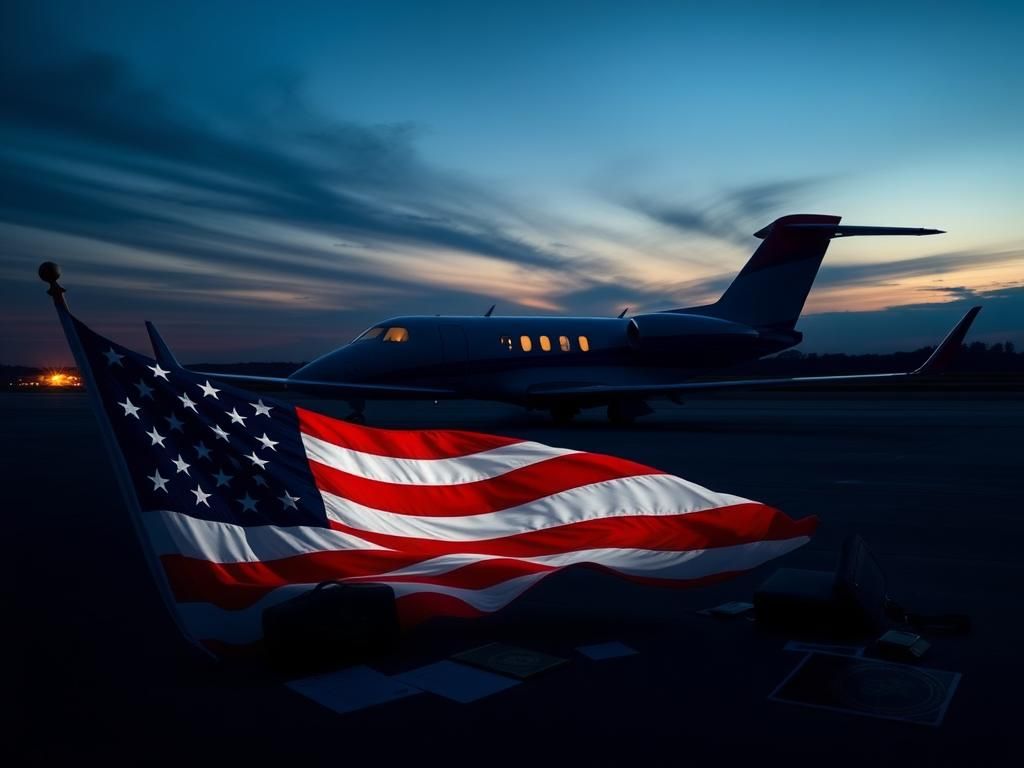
[244, 501]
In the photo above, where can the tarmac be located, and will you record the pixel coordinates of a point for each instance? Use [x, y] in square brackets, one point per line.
[930, 481]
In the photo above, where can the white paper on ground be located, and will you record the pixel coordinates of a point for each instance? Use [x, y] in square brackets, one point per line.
[351, 689]
[603, 651]
[837, 650]
[456, 681]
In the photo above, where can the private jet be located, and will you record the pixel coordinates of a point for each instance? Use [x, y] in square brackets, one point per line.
[565, 364]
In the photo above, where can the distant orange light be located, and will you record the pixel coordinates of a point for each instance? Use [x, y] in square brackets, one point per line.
[58, 379]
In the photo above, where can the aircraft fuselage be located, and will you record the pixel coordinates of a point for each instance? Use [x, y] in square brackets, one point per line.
[514, 358]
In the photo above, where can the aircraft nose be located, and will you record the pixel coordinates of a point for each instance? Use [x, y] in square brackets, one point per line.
[345, 364]
[324, 369]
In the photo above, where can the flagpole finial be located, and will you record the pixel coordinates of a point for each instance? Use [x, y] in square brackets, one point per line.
[49, 272]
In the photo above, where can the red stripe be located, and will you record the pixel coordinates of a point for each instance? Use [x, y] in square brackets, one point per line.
[238, 585]
[418, 607]
[519, 486]
[399, 443]
[719, 527]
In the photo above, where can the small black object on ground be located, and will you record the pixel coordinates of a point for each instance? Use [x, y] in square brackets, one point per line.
[331, 624]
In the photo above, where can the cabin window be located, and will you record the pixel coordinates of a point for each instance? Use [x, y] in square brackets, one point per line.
[371, 334]
[563, 344]
[584, 344]
[506, 342]
[396, 334]
[525, 343]
[545, 343]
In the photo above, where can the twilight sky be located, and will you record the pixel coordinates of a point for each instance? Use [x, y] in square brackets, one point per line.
[264, 180]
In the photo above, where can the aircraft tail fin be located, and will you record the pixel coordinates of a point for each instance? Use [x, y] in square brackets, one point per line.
[770, 290]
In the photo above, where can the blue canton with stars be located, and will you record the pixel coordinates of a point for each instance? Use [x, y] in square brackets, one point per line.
[203, 448]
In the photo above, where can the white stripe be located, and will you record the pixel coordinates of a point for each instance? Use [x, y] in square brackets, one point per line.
[175, 533]
[621, 497]
[460, 469]
[208, 622]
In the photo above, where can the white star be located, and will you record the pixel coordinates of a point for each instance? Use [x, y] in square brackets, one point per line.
[236, 418]
[258, 479]
[144, 389]
[288, 500]
[155, 437]
[130, 409]
[261, 409]
[201, 497]
[159, 483]
[248, 503]
[113, 358]
[202, 450]
[158, 372]
[267, 442]
[256, 460]
[222, 479]
[181, 464]
[220, 433]
[209, 391]
[175, 424]
[187, 402]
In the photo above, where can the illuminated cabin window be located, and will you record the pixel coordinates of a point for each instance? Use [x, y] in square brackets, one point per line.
[371, 334]
[545, 343]
[564, 344]
[396, 334]
[525, 343]
[506, 342]
[584, 344]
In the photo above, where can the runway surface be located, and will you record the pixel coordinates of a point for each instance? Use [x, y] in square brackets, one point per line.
[932, 483]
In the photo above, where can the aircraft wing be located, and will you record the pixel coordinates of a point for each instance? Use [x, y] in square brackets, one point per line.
[335, 389]
[936, 362]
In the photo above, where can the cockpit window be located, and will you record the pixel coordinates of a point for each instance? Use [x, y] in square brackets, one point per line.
[397, 334]
[371, 334]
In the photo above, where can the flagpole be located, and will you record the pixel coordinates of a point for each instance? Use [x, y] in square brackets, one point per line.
[49, 272]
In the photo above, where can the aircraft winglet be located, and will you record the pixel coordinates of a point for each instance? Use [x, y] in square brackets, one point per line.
[939, 359]
[161, 351]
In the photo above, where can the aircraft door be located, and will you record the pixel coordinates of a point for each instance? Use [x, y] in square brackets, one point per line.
[454, 348]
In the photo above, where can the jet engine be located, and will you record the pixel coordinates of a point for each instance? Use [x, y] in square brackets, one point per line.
[708, 339]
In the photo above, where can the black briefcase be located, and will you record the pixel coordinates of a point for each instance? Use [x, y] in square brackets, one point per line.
[331, 624]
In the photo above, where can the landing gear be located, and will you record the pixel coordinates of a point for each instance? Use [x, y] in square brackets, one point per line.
[624, 412]
[563, 414]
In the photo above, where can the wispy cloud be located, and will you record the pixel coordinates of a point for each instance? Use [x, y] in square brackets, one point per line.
[936, 264]
[92, 151]
[731, 216]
